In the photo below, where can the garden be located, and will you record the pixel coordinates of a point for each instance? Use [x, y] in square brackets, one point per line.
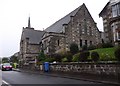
[86, 54]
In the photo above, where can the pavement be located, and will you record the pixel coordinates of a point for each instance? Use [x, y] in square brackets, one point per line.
[83, 77]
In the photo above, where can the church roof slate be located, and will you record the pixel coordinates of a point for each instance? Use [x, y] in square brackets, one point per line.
[34, 36]
[58, 26]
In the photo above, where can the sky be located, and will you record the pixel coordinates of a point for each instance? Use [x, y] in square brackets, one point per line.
[43, 13]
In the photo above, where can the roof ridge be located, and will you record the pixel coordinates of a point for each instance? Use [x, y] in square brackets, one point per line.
[66, 16]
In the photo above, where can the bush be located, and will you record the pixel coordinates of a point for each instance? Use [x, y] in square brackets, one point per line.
[41, 56]
[95, 56]
[49, 59]
[76, 57]
[107, 45]
[91, 47]
[74, 48]
[117, 53]
[57, 57]
[64, 59]
[84, 48]
[68, 55]
[84, 56]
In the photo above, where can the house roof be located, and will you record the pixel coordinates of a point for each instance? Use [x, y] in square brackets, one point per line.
[100, 14]
[58, 26]
[35, 36]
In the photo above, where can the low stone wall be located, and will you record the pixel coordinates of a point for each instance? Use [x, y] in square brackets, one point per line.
[102, 69]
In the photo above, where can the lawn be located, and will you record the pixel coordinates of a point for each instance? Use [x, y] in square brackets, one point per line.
[106, 54]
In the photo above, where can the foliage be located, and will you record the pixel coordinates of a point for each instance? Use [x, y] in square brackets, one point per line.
[91, 47]
[84, 56]
[5, 60]
[14, 59]
[74, 48]
[117, 53]
[76, 57]
[57, 57]
[95, 56]
[68, 55]
[49, 59]
[64, 59]
[84, 48]
[107, 45]
[99, 45]
[41, 56]
[106, 57]
[106, 54]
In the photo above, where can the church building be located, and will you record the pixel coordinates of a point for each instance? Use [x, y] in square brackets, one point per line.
[77, 27]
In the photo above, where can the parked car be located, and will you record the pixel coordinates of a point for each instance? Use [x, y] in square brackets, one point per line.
[6, 66]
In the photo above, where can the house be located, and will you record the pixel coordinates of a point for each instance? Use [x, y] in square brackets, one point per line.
[30, 45]
[111, 21]
[77, 27]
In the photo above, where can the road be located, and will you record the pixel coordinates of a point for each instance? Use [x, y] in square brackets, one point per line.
[14, 77]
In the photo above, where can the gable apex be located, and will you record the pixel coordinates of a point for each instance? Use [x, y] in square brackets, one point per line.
[57, 26]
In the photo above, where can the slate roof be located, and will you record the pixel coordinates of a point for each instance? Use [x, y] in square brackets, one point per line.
[35, 36]
[100, 14]
[57, 26]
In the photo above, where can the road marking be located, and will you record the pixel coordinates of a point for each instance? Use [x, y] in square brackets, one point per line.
[6, 83]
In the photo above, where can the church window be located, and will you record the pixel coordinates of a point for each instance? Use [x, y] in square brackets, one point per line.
[83, 31]
[80, 42]
[58, 42]
[86, 42]
[90, 42]
[90, 31]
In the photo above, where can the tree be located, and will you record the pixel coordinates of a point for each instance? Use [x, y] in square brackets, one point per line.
[74, 48]
[41, 56]
[5, 60]
[14, 59]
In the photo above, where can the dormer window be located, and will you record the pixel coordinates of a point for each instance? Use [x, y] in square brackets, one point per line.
[64, 27]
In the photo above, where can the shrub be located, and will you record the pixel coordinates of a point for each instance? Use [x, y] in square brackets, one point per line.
[107, 45]
[74, 48]
[117, 53]
[91, 47]
[84, 56]
[57, 57]
[68, 55]
[76, 57]
[41, 56]
[95, 56]
[49, 59]
[84, 48]
[64, 59]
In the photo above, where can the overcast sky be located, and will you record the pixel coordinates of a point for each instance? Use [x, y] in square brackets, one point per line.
[14, 15]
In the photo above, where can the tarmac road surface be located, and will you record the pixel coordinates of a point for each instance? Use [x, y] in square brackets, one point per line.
[20, 78]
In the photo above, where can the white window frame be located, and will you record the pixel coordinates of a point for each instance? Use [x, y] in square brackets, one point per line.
[118, 36]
